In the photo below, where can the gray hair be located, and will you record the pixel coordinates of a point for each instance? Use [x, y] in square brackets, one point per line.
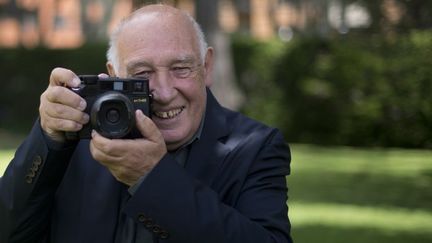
[112, 52]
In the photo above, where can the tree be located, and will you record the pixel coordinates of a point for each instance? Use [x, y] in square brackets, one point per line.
[96, 31]
[224, 86]
[243, 10]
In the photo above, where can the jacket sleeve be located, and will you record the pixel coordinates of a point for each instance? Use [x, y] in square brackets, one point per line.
[176, 207]
[27, 189]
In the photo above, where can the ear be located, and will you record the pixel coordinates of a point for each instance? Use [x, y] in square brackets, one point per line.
[110, 69]
[208, 67]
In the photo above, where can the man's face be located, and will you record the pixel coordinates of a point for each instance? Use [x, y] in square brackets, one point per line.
[164, 49]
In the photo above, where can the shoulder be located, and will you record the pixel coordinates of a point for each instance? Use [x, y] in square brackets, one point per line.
[239, 133]
[241, 126]
[253, 137]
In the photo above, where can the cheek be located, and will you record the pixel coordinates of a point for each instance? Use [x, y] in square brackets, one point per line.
[193, 90]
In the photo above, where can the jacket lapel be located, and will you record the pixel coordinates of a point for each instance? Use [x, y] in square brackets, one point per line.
[203, 162]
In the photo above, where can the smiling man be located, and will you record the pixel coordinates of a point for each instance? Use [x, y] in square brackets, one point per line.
[198, 173]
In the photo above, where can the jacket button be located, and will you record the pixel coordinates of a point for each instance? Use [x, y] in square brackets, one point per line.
[35, 167]
[29, 179]
[148, 223]
[31, 173]
[156, 229]
[163, 234]
[142, 218]
[37, 160]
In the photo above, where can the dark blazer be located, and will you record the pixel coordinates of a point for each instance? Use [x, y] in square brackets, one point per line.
[232, 189]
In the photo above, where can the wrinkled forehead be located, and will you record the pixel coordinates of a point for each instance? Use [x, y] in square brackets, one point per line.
[159, 30]
[156, 19]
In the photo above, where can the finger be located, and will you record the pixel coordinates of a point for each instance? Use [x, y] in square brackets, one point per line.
[103, 75]
[147, 127]
[65, 96]
[112, 164]
[106, 145]
[105, 149]
[97, 154]
[64, 77]
[60, 111]
[56, 124]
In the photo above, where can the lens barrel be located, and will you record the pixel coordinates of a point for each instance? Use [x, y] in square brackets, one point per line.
[112, 115]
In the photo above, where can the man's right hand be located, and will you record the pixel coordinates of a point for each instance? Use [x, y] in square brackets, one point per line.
[60, 108]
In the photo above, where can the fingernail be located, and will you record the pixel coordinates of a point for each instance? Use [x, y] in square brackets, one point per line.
[139, 114]
[103, 75]
[82, 105]
[86, 118]
[93, 133]
[76, 82]
[78, 126]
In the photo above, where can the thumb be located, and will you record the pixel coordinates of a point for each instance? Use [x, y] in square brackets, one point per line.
[146, 126]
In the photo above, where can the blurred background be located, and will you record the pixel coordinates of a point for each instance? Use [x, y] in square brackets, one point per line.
[348, 82]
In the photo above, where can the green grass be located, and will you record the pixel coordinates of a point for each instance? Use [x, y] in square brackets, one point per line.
[342, 194]
[5, 157]
[389, 220]
[8, 144]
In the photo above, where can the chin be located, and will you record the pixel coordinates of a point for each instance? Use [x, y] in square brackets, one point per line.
[175, 139]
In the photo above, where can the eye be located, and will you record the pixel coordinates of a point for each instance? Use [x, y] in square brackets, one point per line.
[144, 74]
[181, 72]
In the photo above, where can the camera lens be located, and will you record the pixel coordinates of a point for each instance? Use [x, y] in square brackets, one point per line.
[112, 115]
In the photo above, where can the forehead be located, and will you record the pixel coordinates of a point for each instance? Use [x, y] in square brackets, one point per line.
[156, 36]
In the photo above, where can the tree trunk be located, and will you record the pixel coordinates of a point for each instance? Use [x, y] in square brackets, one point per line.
[243, 9]
[224, 86]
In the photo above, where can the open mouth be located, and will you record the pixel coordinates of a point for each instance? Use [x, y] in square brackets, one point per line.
[168, 114]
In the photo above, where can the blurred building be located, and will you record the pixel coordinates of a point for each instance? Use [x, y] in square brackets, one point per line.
[70, 23]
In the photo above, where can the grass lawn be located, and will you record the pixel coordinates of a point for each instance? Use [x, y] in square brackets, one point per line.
[5, 157]
[346, 195]
[341, 194]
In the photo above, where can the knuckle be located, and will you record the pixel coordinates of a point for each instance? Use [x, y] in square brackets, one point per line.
[65, 125]
[61, 124]
[57, 111]
[56, 70]
[59, 70]
[57, 91]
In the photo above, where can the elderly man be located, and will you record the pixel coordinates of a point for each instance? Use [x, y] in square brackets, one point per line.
[198, 173]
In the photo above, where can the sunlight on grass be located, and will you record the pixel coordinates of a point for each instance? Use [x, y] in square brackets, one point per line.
[5, 158]
[394, 162]
[349, 216]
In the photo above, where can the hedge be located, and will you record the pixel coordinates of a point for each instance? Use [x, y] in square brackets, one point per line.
[361, 91]
[25, 75]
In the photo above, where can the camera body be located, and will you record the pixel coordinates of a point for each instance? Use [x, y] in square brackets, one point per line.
[111, 105]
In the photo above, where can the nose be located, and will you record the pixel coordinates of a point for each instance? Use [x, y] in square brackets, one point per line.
[162, 87]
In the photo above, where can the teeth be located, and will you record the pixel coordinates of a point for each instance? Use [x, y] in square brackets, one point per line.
[168, 114]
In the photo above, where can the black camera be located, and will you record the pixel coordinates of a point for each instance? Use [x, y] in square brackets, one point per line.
[111, 105]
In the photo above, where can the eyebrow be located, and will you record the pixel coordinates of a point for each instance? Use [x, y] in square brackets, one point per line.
[142, 63]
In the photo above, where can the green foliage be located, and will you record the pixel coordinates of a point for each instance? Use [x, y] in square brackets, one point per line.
[352, 90]
[254, 63]
[25, 75]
